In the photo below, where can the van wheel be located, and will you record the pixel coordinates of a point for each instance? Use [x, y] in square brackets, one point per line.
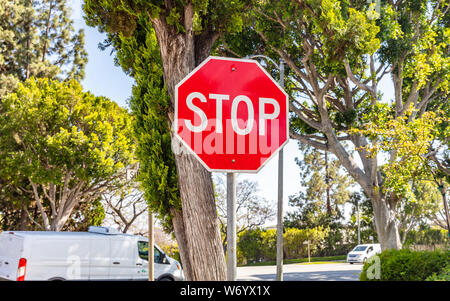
[166, 279]
[364, 260]
[351, 262]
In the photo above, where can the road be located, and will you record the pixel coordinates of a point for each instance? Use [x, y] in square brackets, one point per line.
[303, 272]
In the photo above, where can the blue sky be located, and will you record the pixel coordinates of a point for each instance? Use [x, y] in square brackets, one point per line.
[106, 79]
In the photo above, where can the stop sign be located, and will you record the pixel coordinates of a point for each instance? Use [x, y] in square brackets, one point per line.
[231, 114]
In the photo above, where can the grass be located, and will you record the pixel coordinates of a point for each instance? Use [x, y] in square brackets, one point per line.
[314, 260]
[323, 262]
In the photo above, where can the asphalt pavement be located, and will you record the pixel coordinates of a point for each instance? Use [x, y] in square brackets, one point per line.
[303, 272]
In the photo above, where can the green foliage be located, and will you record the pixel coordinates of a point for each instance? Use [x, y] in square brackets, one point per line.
[171, 250]
[418, 212]
[59, 139]
[367, 227]
[116, 16]
[257, 245]
[130, 27]
[444, 275]
[38, 39]
[337, 53]
[269, 244]
[138, 54]
[411, 141]
[249, 244]
[427, 236]
[321, 204]
[417, 36]
[295, 241]
[406, 265]
[51, 128]
[326, 190]
[85, 215]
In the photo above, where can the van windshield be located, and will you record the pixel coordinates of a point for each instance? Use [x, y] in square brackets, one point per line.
[360, 248]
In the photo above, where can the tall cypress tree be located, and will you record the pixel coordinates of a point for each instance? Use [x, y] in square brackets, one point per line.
[326, 192]
[37, 39]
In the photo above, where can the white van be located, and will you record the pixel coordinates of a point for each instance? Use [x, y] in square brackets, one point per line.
[362, 252]
[99, 254]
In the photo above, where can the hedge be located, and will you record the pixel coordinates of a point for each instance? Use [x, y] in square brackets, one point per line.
[444, 275]
[406, 265]
[427, 237]
[258, 245]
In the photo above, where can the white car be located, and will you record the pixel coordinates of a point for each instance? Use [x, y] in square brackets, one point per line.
[99, 254]
[362, 252]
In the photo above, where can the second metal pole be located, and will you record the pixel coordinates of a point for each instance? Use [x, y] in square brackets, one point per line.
[280, 199]
[359, 225]
[151, 250]
[280, 218]
[231, 227]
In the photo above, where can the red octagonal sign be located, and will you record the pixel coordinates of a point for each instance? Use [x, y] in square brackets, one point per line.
[231, 114]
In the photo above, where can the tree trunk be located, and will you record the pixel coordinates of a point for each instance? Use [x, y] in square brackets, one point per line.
[47, 30]
[197, 228]
[200, 220]
[383, 208]
[180, 235]
[386, 223]
[23, 218]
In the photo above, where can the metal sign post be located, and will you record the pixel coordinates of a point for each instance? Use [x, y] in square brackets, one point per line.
[231, 227]
[280, 198]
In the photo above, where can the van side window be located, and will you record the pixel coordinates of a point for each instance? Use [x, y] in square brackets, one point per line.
[143, 249]
[370, 249]
[143, 252]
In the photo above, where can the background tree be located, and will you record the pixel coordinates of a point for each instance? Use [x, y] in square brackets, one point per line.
[360, 203]
[124, 206]
[185, 33]
[37, 39]
[417, 165]
[85, 214]
[420, 211]
[439, 217]
[337, 53]
[252, 211]
[322, 203]
[62, 146]
[327, 189]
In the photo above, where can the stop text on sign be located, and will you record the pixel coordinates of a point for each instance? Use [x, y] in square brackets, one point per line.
[220, 98]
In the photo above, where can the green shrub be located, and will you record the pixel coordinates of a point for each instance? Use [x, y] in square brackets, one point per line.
[427, 237]
[249, 245]
[295, 241]
[406, 265]
[261, 245]
[269, 244]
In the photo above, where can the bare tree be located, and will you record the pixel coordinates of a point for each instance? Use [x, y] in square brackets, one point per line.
[125, 207]
[252, 210]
